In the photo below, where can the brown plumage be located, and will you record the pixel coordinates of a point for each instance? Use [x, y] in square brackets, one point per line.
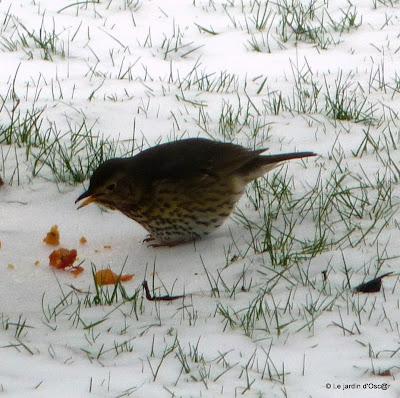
[181, 190]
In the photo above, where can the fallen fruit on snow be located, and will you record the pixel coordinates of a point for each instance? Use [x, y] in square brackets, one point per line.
[108, 277]
[53, 236]
[64, 259]
[77, 270]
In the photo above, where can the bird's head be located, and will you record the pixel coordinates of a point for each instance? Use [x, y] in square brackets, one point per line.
[110, 185]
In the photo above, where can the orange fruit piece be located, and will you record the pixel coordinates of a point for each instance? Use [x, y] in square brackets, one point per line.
[62, 258]
[53, 236]
[77, 270]
[108, 277]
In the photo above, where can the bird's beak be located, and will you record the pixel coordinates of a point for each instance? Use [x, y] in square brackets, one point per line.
[89, 198]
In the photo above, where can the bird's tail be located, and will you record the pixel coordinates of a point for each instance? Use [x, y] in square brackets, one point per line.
[262, 164]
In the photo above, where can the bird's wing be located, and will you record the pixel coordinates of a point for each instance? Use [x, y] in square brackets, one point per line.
[193, 158]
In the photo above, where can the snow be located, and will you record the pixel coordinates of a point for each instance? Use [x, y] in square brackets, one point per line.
[111, 70]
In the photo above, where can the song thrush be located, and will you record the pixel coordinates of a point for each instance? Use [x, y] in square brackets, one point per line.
[181, 190]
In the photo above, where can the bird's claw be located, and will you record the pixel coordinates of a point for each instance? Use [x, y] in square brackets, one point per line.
[164, 244]
[148, 238]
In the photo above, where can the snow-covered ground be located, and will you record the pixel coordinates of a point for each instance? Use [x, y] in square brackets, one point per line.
[269, 309]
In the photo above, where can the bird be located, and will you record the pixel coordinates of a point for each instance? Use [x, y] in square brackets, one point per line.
[182, 190]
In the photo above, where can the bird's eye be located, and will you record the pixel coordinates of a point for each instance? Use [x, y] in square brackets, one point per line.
[111, 187]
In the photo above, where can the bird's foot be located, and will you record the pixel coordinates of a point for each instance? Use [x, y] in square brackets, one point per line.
[166, 244]
[148, 238]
